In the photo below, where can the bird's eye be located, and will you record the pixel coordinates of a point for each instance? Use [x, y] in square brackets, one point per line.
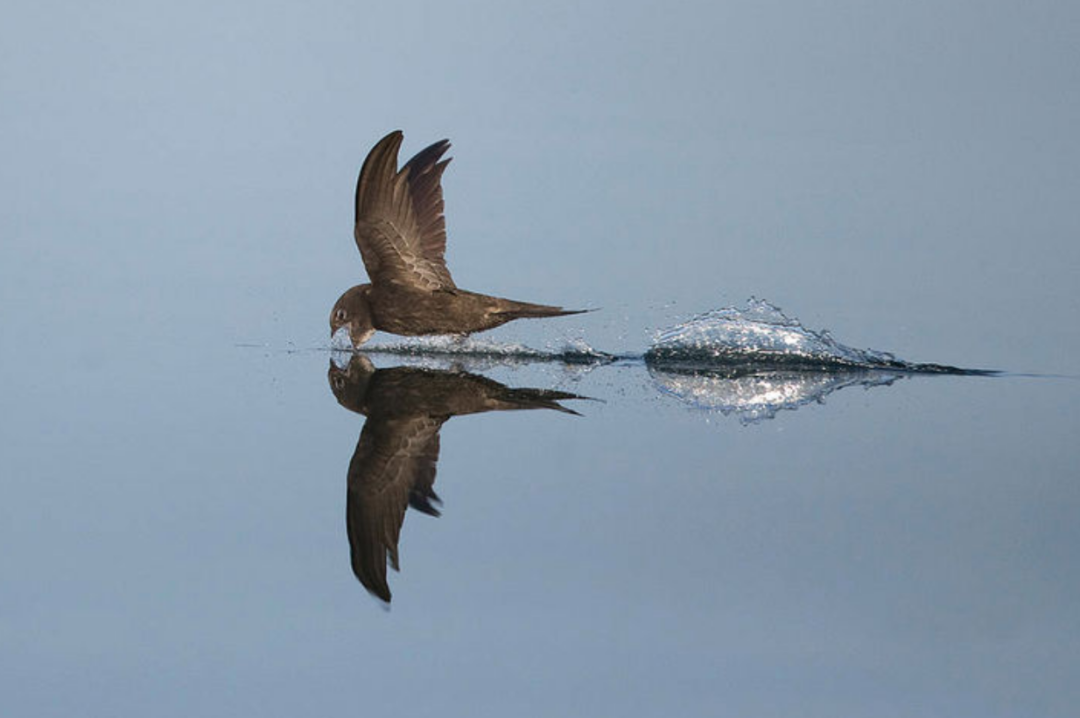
[340, 315]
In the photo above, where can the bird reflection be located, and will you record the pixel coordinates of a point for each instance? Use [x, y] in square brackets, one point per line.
[394, 464]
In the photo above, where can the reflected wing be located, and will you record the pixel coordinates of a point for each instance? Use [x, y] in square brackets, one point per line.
[393, 466]
[400, 227]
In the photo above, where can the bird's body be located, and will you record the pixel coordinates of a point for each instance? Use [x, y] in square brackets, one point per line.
[406, 310]
[401, 233]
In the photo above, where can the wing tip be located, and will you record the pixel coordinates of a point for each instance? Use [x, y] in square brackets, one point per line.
[377, 172]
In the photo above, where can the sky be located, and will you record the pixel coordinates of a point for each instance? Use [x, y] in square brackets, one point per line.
[903, 174]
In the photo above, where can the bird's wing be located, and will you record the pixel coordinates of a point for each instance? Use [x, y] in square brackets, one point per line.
[400, 227]
[393, 465]
[425, 185]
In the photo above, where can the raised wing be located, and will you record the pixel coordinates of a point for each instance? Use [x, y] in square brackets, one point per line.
[400, 228]
[393, 467]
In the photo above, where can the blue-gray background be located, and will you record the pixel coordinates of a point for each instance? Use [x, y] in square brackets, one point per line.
[176, 181]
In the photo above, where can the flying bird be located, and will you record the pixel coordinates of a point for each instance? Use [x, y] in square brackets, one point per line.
[401, 232]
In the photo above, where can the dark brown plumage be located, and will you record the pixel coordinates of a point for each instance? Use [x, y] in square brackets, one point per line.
[394, 464]
[401, 232]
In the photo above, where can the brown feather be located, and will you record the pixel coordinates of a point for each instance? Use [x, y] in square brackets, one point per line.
[400, 228]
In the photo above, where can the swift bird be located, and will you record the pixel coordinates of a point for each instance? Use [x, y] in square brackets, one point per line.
[401, 233]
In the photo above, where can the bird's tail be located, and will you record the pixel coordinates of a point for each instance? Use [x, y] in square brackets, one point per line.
[525, 310]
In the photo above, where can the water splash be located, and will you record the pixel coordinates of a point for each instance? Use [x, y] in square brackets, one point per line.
[478, 351]
[761, 334]
[340, 340]
[754, 362]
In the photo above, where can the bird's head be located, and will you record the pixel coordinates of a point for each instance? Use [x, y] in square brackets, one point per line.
[351, 311]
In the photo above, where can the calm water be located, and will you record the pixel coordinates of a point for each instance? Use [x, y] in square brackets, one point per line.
[187, 489]
[177, 543]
